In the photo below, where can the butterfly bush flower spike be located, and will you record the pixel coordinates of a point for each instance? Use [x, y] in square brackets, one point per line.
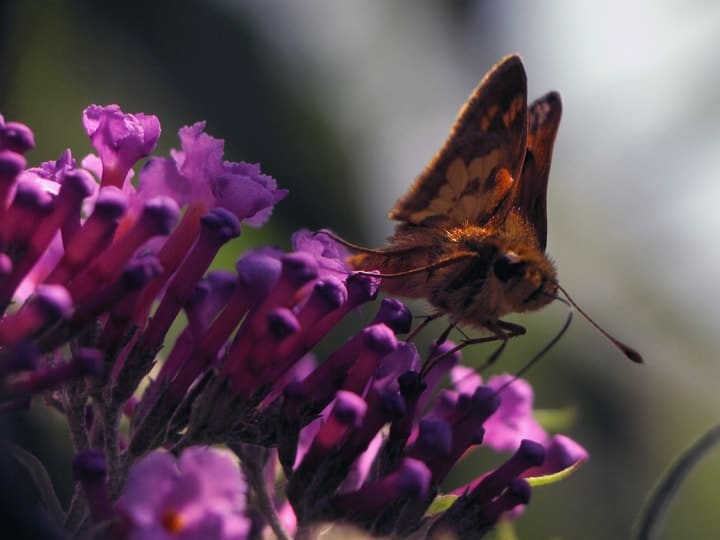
[112, 316]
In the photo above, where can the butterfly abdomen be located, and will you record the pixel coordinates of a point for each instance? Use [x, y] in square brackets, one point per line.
[419, 247]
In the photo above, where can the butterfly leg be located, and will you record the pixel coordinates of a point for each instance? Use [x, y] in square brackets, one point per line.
[464, 335]
[440, 340]
[503, 331]
[427, 319]
[434, 360]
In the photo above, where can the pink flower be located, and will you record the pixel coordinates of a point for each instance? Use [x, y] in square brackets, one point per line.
[200, 495]
[120, 139]
[514, 421]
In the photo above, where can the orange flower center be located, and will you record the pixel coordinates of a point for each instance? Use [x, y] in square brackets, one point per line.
[172, 521]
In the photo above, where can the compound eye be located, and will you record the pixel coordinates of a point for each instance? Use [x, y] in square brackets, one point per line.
[508, 266]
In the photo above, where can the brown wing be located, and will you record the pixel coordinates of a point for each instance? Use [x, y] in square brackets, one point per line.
[465, 181]
[529, 197]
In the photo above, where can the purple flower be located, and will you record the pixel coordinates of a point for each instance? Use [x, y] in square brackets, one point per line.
[120, 139]
[248, 193]
[561, 452]
[330, 255]
[16, 137]
[55, 170]
[198, 177]
[50, 257]
[198, 496]
[514, 420]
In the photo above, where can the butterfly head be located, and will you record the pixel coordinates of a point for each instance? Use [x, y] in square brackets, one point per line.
[528, 279]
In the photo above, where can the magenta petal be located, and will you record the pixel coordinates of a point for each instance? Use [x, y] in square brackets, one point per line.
[160, 176]
[465, 379]
[362, 466]
[241, 195]
[514, 420]
[120, 139]
[247, 193]
[562, 452]
[330, 255]
[217, 473]
[129, 136]
[204, 488]
[148, 484]
[50, 257]
[92, 163]
[55, 170]
[199, 162]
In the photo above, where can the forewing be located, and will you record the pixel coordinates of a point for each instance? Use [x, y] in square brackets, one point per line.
[530, 197]
[474, 170]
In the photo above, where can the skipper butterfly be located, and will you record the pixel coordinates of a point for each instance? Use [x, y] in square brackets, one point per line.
[473, 227]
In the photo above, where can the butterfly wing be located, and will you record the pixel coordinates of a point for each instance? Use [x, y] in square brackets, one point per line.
[530, 194]
[473, 172]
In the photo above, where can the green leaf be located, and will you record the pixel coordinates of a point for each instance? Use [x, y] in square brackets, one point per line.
[39, 477]
[440, 504]
[649, 523]
[443, 502]
[556, 419]
[546, 479]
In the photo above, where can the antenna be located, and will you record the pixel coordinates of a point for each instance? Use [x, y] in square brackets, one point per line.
[628, 351]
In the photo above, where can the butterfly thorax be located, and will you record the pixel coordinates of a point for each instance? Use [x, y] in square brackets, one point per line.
[502, 273]
[510, 274]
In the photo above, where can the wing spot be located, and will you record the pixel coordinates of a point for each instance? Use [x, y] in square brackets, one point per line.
[446, 198]
[490, 183]
[456, 175]
[482, 167]
[511, 114]
[504, 178]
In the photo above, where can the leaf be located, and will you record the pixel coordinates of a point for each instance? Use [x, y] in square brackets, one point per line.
[440, 504]
[39, 477]
[443, 502]
[536, 481]
[650, 519]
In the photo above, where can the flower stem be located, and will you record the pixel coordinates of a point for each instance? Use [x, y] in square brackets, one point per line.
[77, 510]
[75, 412]
[111, 427]
[253, 460]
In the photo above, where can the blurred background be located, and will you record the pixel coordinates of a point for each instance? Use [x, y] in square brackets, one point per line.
[345, 102]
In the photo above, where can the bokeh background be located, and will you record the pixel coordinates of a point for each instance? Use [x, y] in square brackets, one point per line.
[344, 103]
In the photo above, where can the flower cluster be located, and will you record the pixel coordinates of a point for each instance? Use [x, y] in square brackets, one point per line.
[96, 266]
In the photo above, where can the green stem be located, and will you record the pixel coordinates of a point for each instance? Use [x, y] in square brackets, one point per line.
[75, 413]
[111, 428]
[253, 465]
[77, 510]
[650, 521]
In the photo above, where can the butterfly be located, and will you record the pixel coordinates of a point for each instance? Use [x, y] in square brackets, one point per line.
[472, 229]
